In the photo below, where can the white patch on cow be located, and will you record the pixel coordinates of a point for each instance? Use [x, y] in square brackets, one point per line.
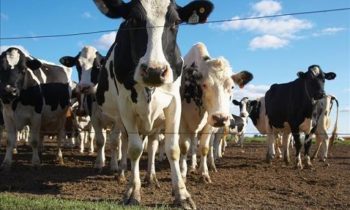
[216, 77]
[86, 60]
[244, 112]
[154, 56]
[315, 70]
[13, 58]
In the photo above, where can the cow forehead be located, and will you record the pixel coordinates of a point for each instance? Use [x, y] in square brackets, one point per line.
[155, 9]
[87, 54]
[13, 57]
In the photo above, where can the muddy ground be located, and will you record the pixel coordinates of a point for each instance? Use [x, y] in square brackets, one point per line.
[243, 181]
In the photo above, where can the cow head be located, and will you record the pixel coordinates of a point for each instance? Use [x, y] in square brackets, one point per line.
[314, 80]
[88, 63]
[244, 106]
[215, 83]
[146, 40]
[15, 67]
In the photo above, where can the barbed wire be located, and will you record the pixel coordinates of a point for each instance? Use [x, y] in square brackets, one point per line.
[182, 24]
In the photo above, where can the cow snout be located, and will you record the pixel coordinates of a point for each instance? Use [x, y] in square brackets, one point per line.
[220, 120]
[154, 76]
[11, 90]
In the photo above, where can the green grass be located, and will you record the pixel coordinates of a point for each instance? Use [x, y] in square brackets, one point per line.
[19, 202]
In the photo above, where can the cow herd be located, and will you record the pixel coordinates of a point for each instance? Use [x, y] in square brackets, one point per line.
[143, 89]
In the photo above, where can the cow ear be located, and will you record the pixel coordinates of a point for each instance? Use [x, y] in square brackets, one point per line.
[242, 78]
[301, 74]
[33, 64]
[101, 58]
[113, 8]
[235, 102]
[329, 75]
[67, 61]
[195, 12]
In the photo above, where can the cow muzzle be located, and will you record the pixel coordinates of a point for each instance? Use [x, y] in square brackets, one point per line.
[12, 91]
[219, 120]
[153, 76]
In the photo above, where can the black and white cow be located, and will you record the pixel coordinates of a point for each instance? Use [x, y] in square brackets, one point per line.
[321, 123]
[289, 108]
[34, 93]
[206, 91]
[256, 111]
[88, 63]
[140, 81]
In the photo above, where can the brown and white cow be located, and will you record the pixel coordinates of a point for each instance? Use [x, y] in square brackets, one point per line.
[206, 91]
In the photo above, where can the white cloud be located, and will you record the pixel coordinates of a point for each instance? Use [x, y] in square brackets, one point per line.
[328, 31]
[283, 28]
[86, 15]
[105, 41]
[345, 109]
[267, 42]
[251, 91]
[3, 16]
[5, 47]
[267, 7]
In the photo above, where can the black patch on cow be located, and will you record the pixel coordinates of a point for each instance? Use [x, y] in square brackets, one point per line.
[30, 97]
[255, 112]
[190, 87]
[56, 94]
[102, 86]
[237, 122]
[111, 71]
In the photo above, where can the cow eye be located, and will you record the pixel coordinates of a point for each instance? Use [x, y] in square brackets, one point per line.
[204, 86]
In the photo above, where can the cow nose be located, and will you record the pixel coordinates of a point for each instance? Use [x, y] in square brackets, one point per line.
[219, 120]
[154, 76]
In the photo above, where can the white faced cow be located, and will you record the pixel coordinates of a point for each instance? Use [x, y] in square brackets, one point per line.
[206, 90]
[34, 93]
[289, 109]
[140, 81]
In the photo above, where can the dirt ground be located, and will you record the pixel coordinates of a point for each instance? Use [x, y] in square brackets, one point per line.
[243, 181]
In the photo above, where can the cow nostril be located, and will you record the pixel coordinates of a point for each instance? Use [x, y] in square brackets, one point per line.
[164, 70]
[144, 69]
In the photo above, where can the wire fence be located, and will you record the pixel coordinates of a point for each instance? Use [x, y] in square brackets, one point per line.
[182, 24]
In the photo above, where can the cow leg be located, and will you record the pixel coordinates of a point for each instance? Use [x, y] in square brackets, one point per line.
[60, 137]
[211, 154]
[172, 123]
[151, 178]
[11, 142]
[204, 149]
[36, 141]
[123, 162]
[218, 143]
[193, 148]
[82, 141]
[307, 145]
[270, 147]
[286, 142]
[324, 151]
[100, 145]
[114, 139]
[298, 146]
[135, 148]
[184, 147]
[161, 152]
[278, 145]
[318, 146]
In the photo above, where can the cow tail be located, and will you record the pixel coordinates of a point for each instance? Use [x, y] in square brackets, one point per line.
[335, 129]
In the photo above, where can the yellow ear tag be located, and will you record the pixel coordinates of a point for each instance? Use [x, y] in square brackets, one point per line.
[201, 10]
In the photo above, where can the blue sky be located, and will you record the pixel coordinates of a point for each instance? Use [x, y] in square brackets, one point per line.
[274, 49]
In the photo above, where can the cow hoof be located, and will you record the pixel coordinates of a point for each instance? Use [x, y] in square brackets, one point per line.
[132, 197]
[187, 203]
[206, 179]
[120, 178]
[192, 170]
[151, 180]
[299, 166]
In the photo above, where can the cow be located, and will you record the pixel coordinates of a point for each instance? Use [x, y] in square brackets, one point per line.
[141, 81]
[206, 91]
[88, 63]
[321, 123]
[35, 93]
[289, 108]
[255, 109]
